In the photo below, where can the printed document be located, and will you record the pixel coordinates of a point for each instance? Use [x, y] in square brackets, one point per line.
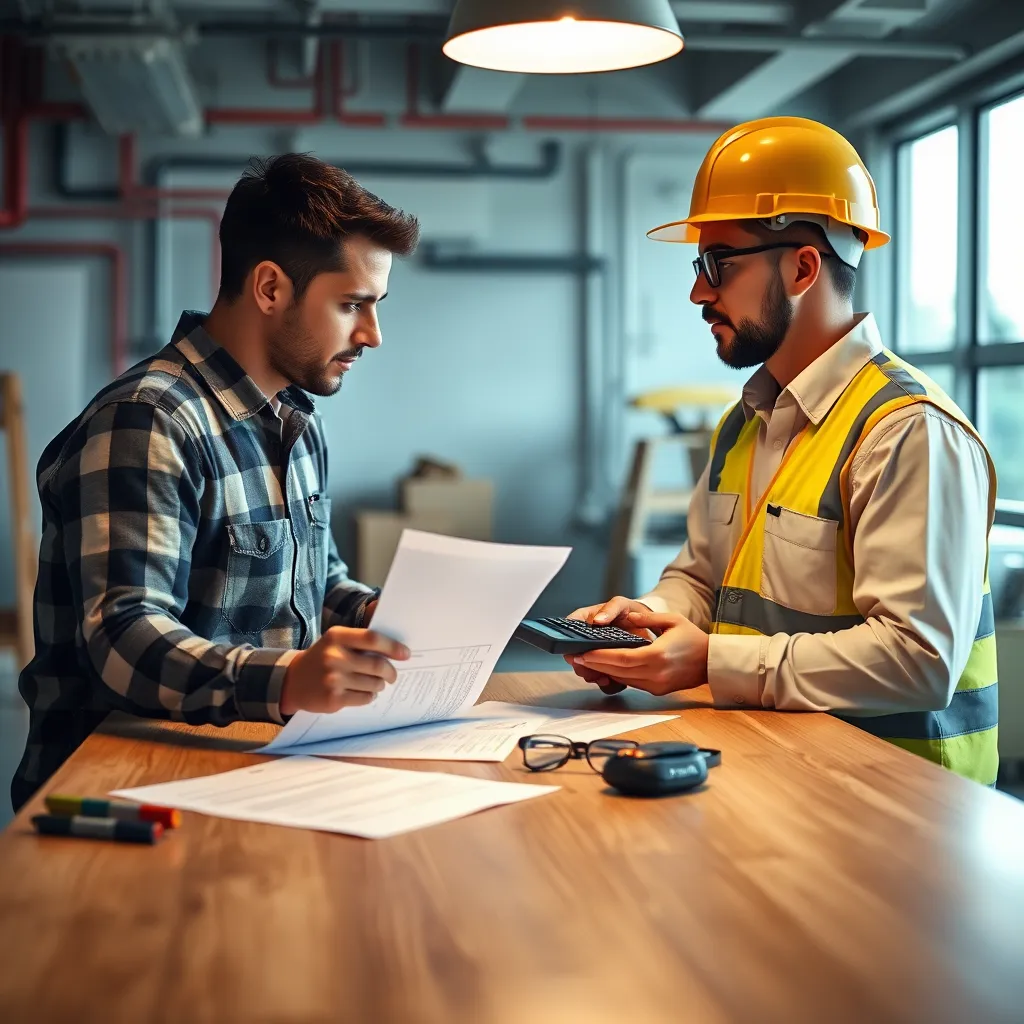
[486, 732]
[310, 792]
[455, 604]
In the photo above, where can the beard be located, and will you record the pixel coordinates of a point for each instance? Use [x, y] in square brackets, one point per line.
[295, 355]
[754, 342]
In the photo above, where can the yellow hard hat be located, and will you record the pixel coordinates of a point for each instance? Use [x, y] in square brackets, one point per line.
[778, 166]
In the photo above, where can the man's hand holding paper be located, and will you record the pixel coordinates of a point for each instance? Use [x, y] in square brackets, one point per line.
[344, 668]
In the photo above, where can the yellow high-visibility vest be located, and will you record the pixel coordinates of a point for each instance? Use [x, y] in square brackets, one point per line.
[792, 569]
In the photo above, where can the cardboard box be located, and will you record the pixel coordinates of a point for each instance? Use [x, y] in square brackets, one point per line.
[377, 537]
[468, 505]
[434, 496]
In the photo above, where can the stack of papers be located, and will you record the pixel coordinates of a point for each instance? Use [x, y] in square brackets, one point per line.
[486, 732]
[309, 792]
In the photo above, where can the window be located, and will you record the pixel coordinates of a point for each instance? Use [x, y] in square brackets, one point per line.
[1001, 423]
[959, 283]
[1001, 291]
[945, 377]
[926, 242]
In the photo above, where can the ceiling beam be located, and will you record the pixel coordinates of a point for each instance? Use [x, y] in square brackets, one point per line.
[732, 12]
[875, 93]
[822, 47]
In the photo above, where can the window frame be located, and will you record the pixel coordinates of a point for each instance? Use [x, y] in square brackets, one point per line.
[969, 355]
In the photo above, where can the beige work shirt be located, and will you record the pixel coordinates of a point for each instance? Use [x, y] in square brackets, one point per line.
[919, 515]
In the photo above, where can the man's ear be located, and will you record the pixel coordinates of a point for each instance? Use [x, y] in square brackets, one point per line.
[807, 262]
[271, 288]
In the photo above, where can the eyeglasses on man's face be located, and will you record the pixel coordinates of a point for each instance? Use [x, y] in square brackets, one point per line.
[708, 262]
[544, 753]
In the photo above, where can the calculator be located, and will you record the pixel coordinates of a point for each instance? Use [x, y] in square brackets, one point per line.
[570, 636]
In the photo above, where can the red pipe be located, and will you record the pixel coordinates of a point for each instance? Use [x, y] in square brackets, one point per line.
[338, 94]
[412, 118]
[273, 115]
[58, 112]
[131, 190]
[118, 283]
[13, 212]
[21, 76]
[37, 108]
[140, 213]
[15, 132]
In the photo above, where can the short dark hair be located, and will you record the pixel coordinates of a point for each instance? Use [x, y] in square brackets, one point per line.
[297, 211]
[844, 277]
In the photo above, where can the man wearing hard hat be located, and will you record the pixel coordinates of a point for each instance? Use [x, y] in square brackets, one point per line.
[837, 547]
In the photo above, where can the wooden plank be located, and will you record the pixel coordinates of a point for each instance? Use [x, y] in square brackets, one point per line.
[822, 875]
[23, 542]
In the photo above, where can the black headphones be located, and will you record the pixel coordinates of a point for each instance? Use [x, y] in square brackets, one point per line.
[656, 769]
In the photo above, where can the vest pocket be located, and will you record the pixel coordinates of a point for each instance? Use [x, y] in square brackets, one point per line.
[723, 532]
[799, 566]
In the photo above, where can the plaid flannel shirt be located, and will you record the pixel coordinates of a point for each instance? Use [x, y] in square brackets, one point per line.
[186, 553]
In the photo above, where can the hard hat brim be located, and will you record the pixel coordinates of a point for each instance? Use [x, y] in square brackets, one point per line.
[689, 230]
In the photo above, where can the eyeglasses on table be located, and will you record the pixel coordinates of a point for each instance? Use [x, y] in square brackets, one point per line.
[544, 752]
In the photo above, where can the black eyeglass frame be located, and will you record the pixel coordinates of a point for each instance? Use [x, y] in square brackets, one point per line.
[708, 261]
[574, 750]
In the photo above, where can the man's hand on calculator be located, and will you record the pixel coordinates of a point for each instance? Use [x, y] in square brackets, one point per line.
[614, 612]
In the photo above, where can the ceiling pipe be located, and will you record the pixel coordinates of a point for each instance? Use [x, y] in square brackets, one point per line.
[274, 115]
[338, 94]
[412, 118]
[433, 31]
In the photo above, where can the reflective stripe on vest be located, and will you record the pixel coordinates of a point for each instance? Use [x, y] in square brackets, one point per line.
[809, 493]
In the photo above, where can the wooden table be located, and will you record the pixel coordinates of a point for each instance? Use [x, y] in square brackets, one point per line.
[822, 876]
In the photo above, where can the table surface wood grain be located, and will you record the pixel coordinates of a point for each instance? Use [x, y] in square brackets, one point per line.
[821, 875]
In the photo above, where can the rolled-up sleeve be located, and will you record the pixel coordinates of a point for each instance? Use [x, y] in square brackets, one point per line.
[131, 489]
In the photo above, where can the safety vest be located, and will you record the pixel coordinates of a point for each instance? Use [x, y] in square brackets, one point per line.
[792, 568]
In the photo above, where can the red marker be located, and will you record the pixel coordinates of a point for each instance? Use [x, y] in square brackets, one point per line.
[124, 810]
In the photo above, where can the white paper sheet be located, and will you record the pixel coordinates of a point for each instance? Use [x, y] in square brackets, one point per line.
[311, 792]
[455, 604]
[486, 732]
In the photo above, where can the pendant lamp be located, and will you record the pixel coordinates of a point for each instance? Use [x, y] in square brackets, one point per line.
[562, 37]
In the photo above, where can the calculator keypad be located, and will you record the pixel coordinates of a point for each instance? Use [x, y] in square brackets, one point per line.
[575, 629]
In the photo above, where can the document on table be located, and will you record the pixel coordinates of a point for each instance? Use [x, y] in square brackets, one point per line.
[486, 732]
[310, 792]
[455, 604]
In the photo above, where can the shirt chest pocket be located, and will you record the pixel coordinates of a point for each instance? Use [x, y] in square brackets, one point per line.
[799, 566]
[258, 576]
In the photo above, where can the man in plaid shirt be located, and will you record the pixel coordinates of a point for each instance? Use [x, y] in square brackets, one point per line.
[187, 569]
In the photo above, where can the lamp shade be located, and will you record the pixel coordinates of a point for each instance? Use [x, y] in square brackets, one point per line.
[562, 37]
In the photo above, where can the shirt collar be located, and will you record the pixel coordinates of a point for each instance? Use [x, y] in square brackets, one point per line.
[817, 387]
[234, 388]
